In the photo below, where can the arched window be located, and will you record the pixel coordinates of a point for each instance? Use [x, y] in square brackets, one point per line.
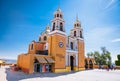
[77, 25]
[45, 38]
[90, 64]
[31, 46]
[81, 34]
[75, 33]
[71, 45]
[61, 27]
[39, 38]
[53, 27]
[57, 15]
[60, 16]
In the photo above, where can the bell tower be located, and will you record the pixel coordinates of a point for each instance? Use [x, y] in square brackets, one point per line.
[80, 40]
[58, 22]
[77, 31]
[77, 34]
[57, 42]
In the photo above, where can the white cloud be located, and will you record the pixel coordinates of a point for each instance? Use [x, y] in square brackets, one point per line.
[99, 34]
[110, 3]
[116, 40]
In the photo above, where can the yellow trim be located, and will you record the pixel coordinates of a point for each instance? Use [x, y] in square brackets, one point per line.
[76, 68]
[81, 69]
[68, 68]
[60, 70]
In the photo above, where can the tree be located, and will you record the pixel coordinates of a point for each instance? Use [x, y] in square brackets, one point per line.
[109, 61]
[97, 57]
[101, 59]
[88, 55]
[106, 56]
[92, 54]
[118, 56]
[117, 62]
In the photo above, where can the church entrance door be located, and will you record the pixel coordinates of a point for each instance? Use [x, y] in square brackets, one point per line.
[72, 63]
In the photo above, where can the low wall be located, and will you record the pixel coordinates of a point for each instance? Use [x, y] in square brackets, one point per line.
[95, 66]
[105, 67]
[102, 67]
[117, 67]
[6, 64]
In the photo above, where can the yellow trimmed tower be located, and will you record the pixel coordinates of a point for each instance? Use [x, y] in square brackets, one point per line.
[57, 42]
[77, 44]
[81, 56]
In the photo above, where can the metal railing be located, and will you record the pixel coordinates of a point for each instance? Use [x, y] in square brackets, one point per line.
[42, 52]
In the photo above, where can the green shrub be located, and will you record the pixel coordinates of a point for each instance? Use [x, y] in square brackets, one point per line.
[118, 56]
[117, 62]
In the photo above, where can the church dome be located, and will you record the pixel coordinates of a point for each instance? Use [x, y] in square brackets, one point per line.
[58, 13]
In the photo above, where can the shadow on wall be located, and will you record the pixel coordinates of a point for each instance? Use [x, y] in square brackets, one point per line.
[19, 75]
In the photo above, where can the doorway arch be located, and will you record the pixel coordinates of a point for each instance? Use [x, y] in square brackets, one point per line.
[90, 64]
[86, 64]
[72, 63]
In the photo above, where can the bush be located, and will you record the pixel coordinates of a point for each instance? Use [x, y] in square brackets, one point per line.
[118, 56]
[117, 62]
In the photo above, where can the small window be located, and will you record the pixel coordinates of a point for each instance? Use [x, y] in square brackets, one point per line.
[81, 34]
[53, 27]
[60, 16]
[71, 45]
[57, 15]
[54, 16]
[77, 25]
[61, 27]
[45, 38]
[31, 46]
[39, 38]
[75, 33]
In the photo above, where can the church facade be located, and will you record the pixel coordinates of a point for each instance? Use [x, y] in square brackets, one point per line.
[55, 51]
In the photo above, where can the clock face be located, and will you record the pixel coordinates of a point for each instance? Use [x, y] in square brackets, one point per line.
[61, 44]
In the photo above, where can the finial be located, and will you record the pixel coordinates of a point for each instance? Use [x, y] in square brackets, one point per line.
[76, 17]
[48, 26]
[59, 8]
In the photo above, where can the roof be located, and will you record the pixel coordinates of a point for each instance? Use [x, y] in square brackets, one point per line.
[45, 60]
[2, 61]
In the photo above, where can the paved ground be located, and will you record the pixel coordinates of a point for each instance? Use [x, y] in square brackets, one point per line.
[90, 75]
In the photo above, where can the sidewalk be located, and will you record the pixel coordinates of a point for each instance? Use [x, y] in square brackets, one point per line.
[89, 75]
[3, 73]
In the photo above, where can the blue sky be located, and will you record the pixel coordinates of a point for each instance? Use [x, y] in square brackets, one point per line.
[22, 21]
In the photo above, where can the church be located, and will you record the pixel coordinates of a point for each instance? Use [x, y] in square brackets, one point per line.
[55, 51]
